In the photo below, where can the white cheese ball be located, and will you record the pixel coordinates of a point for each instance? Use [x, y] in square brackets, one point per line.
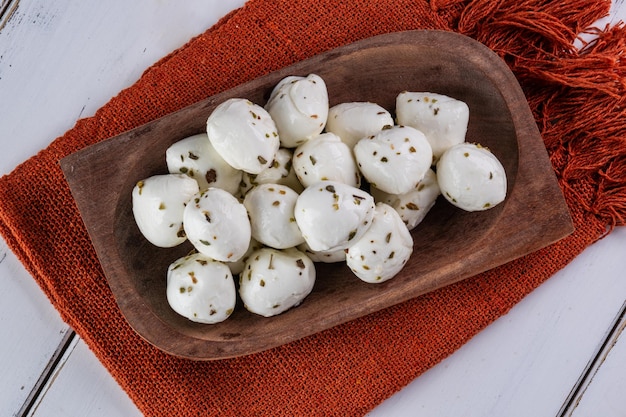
[353, 121]
[273, 281]
[271, 211]
[471, 177]
[325, 158]
[441, 118]
[299, 106]
[158, 204]
[332, 215]
[217, 225]
[413, 205]
[237, 266]
[195, 156]
[244, 134]
[327, 257]
[279, 172]
[383, 250]
[395, 160]
[201, 289]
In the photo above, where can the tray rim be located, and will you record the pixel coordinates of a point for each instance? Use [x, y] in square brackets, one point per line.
[197, 350]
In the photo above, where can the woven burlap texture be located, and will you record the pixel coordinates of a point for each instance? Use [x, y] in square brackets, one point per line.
[349, 369]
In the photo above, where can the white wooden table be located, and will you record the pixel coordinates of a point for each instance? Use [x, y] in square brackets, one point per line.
[559, 352]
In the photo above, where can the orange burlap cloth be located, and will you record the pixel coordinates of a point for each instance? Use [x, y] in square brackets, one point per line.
[577, 98]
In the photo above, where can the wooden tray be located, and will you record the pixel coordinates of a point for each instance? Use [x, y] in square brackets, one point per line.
[450, 245]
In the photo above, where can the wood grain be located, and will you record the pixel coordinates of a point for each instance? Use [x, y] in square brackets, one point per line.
[450, 245]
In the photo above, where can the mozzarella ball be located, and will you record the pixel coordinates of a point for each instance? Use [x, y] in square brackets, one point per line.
[327, 257]
[201, 289]
[217, 225]
[395, 160]
[244, 135]
[271, 211]
[383, 250]
[413, 205]
[299, 106]
[441, 118]
[158, 204]
[279, 172]
[471, 177]
[237, 266]
[325, 158]
[195, 156]
[273, 281]
[355, 120]
[332, 215]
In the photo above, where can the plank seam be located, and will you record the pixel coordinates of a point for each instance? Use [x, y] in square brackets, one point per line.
[580, 387]
[7, 8]
[48, 374]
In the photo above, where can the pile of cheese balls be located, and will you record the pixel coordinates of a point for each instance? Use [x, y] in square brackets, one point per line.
[268, 191]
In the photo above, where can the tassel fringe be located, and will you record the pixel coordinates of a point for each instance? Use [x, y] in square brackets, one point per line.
[577, 95]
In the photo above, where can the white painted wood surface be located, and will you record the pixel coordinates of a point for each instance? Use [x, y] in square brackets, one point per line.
[527, 362]
[30, 330]
[61, 60]
[603, 394]
[82, 387]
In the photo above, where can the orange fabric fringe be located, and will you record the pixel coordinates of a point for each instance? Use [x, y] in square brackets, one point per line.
[577, 95]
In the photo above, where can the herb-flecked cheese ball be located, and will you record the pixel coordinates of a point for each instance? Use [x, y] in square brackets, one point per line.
[471, 177]
[331, 215]
[441, 118]
[201, 289]
[273, 281]
[383, 250]
[325, 158]
[299, 106]
[158, 205]
[195, 156]
[217, 225]
[394, 160]
[271, 211]
[352, 121]
[280, 171]
[413, 205]
[237, 266]
[327, 257]
[243, 134]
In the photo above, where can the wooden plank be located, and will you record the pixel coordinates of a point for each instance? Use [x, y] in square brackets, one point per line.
[7, 8]
[69, 339]
[588, 292]
[50, 77]
[80, 370]
[526, 363]
[601, 390]
[30, 329]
